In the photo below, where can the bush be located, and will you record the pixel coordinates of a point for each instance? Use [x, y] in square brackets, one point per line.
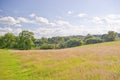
[73, 43]
[47, 46]
[93, 41]
[61, 45]
[111, 36]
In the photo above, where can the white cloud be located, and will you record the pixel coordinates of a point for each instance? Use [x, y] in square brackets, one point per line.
[15, 22]
[107, 23]
[52, 24]
[9, 21]
[42, 20]
[16, 31]
[46, 32]
[82, 15]
[39, 19]
[32, 15]
[59, 17]
[5, 30]
[70, 12]
[114, 16]
[111, 20]
[62, 22]
[19, 20]
[97, 20]
[62, 27]
[24, 20]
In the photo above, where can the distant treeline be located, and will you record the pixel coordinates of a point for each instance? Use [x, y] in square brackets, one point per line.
[26, 40]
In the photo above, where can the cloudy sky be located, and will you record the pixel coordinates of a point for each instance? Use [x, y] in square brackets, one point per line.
[47, 18]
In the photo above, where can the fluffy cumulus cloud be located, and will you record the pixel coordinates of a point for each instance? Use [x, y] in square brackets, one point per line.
[24, 20]
[39, 19]
[113, 16]
[69, 12]
[47, 32]
[32, 15]
[62, 23]
[97, 20]
[61, 27]
[42, 20]
[109, 22]
[9, 21]
[81, 15]
[4, 30]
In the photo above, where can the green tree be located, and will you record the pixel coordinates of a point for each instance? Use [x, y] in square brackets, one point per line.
[111, 36]
[89, 36]
[47, 46]
[8, 41]
[61, 45]
[73, 43]
[38, 42]
[57, 41]
[93, 41]
[2, 42]
[25, 40]
[44, 40]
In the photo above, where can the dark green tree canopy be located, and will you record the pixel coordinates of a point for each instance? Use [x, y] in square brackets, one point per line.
[26, 40]
[111, 36]
[8, 41]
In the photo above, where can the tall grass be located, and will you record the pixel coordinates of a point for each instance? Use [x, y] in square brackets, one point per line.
[91, 62]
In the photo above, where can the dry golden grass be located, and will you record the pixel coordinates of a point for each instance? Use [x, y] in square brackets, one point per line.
[91, 62]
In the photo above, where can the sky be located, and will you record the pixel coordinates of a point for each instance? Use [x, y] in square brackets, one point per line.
[48, 18]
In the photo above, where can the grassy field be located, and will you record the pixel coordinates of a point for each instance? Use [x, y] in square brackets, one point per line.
[90, 62]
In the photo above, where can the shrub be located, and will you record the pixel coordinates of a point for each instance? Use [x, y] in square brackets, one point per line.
[61, 45]
[47, 46]
[93, 41]
[73, 43]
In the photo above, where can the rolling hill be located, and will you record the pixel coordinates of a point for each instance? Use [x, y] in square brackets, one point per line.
[89, 62]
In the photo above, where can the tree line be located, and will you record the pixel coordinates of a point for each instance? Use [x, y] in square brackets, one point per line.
[26, 40]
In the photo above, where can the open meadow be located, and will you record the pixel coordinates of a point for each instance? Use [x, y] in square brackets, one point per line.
[90, 62]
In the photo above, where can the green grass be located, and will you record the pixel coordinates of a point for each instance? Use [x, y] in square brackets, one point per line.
[10, 68]
[89, 62]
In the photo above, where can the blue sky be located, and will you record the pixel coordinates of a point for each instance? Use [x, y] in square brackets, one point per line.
[47, 18]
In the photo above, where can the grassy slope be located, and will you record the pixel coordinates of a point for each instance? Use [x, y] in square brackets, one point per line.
[91, 62]
[10, 68]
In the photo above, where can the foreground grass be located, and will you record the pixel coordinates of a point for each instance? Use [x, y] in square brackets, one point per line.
[10, 68]
[91, 62]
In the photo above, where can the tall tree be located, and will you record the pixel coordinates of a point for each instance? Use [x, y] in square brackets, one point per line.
[73, 43]
[89, 36]
[2, 42]
[25, 40]
[111, 36]
[8, 41]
